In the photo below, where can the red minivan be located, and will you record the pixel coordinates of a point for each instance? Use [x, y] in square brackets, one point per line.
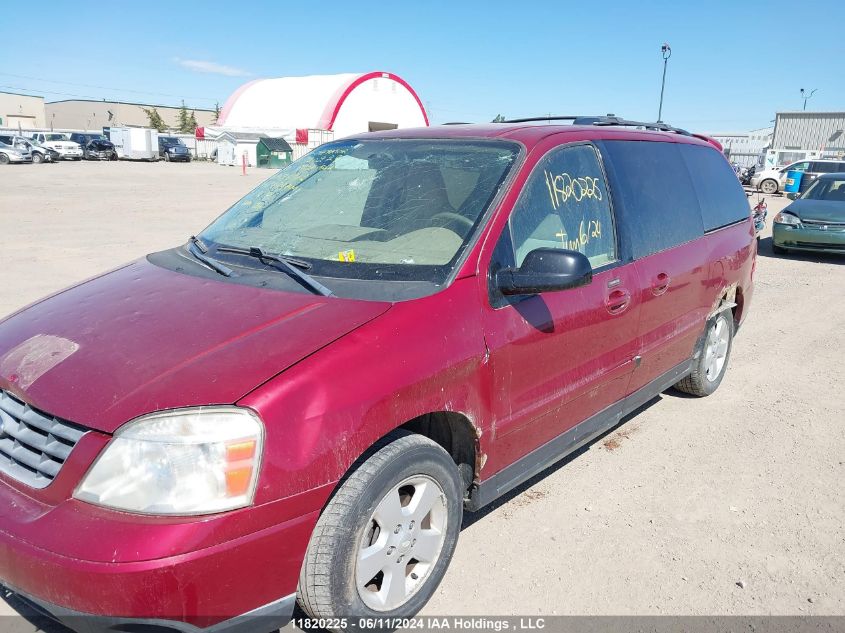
[298, 404]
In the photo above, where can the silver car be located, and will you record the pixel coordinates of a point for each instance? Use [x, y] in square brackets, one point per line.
[39, 154]
[9, 154]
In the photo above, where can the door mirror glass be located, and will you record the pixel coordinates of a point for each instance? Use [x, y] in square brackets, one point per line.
[546, 270]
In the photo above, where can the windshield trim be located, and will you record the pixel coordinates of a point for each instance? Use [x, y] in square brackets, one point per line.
[446, 273]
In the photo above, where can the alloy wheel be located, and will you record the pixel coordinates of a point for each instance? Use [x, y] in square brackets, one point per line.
[716, 350]
[402, 543]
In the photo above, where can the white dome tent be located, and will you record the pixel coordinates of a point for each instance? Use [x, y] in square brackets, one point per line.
[344, 104]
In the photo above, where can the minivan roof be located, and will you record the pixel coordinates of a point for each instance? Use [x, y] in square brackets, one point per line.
[532, 134]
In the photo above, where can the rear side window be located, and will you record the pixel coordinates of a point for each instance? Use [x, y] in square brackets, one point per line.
[827, 167]
[659, 203]
[722, 199]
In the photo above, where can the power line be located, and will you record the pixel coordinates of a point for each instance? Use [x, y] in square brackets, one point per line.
[70, 83]
[90, 97]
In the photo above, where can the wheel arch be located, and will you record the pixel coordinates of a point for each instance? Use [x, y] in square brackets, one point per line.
[454, 431]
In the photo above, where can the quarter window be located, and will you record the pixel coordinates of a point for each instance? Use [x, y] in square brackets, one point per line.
[565, 204]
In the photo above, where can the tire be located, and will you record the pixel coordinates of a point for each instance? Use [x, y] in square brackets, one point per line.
[4, 160]
[769, 186]
[37, 159]
[779, 250]
[707, 372]
[358, 518]
[166, 157]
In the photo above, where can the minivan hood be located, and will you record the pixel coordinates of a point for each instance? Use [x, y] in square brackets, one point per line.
[143, 338]
[819, 210]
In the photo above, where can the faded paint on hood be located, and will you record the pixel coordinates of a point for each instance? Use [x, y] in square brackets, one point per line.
[143, 338]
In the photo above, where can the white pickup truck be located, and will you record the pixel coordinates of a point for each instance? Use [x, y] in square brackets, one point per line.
[69, 150]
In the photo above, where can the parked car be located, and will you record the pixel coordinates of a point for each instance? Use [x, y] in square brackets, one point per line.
[10, 154]
[39, 154]
[303, 399]
[43, 137]
[771, 181]
[815, 220]
[172, 148]
[59, 143]
[99, 149]
[83, 138]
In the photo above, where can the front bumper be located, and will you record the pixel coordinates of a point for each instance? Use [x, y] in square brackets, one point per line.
[809, 238]
[264, 619]
[211, 580]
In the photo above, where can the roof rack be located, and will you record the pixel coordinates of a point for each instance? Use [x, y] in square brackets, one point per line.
[606, 120]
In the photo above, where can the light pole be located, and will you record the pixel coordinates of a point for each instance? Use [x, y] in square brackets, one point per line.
[666, 51]
[806, 96]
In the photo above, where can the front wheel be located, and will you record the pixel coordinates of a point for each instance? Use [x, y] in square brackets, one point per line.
[710, 366]
[384, 541]
[769, 186]
[778, 250]
[37, 158]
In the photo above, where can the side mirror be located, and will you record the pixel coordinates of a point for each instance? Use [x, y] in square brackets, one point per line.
[792, 195]
[546, 270]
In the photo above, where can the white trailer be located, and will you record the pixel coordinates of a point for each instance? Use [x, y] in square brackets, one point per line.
[134, 143]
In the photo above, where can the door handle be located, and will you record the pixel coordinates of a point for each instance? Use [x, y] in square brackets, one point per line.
[618, 301]
[660, 284]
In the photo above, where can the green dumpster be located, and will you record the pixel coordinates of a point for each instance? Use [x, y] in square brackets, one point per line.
[273, 153]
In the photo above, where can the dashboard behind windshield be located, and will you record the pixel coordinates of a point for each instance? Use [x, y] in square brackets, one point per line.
[377, 209]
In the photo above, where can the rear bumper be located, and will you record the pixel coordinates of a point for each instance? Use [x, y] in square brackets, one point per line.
[808, 239]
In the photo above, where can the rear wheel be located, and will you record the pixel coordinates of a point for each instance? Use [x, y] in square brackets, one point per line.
[4, 160]
[769, 186]
[710, 366]
[384, 541]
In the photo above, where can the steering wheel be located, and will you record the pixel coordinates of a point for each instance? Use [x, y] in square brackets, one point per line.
[452, 217]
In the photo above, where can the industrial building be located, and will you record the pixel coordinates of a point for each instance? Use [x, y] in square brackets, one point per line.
[800, 135]
[344, 104]
[24, 112]
[822, 131]
[89, 114]
[745, 148]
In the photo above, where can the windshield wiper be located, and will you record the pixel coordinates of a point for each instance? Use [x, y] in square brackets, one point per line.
[291, 265]
[199, 250]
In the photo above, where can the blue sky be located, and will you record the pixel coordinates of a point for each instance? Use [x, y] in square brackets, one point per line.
[734, 64]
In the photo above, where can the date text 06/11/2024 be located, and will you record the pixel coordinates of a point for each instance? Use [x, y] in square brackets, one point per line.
[432, 623]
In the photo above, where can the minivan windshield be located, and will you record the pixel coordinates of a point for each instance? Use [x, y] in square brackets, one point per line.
[377, 209]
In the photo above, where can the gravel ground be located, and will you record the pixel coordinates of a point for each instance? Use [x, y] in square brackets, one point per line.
[731, 504]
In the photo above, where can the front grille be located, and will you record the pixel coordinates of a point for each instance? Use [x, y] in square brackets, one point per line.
[33, 445]
[814, 223]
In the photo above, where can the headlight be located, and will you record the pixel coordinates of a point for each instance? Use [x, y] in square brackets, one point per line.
[186, 461]
[787, 218]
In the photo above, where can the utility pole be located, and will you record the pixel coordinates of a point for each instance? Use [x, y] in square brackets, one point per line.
[666, 51]
[806, 97]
